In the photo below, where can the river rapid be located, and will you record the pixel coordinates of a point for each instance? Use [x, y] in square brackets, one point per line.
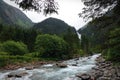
[52, 72]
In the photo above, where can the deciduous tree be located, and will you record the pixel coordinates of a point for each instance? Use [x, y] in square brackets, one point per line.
[45, 6]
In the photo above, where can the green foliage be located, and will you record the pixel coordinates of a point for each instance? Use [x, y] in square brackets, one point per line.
[115, 32]
[14, 48]
[51, 46]
[113, 51]
[33, 54]
[3, 60]
[104, 35]
[85, 45]
[45, 6]
[10, 59]
[73, 41]
[0, 47]
[96, 49]
[113, 54]
[4, 53]
[17, 33]
[81, 52]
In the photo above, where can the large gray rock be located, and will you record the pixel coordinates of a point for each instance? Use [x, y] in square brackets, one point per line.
[84, 76]
[17, 74]
[61, 65]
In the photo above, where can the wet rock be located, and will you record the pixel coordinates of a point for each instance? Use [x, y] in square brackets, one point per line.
[22, 73]
[95, 68]
[17, 74]
[97, 74]
[61, 65]
[29, 68]
[117, 78]
[118, 71]
[12, 67]
[107, 73]
[105, 70]
[74, 64]
[84, 76]
[10, 75]
[76, 59]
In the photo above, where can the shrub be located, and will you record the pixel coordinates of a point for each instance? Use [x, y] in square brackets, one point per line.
[51, 46]
[113, 54]
[3, 53]
[14, 48]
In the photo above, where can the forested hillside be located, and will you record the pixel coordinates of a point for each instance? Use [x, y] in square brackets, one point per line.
[102, 35]
[53, 26]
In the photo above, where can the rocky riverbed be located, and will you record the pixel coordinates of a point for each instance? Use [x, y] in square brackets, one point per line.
[27, 65]
[105, 70]
[84, 68]
[65, 70]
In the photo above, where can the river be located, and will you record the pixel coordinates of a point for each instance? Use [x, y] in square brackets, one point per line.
[51, 72]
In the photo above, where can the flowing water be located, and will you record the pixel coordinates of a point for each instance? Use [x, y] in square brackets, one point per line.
[79, 35]
[51, 72]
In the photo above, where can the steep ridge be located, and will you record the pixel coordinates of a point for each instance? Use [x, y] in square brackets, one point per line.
[12, 16]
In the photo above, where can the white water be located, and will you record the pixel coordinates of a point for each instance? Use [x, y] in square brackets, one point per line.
[51, 72]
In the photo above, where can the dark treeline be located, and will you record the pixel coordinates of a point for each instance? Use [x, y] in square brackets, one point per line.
[25, 35]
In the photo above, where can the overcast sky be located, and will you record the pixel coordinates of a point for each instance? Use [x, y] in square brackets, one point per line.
[68, 12]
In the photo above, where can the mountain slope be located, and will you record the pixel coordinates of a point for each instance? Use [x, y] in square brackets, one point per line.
[12, 16]
[53, 26]
[104, 35]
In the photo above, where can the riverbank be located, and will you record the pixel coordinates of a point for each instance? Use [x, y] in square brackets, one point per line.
[105, 70]
[63, 70]
[34, 64]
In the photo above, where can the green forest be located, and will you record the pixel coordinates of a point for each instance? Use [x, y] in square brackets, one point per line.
[102, 35]
[18, 44]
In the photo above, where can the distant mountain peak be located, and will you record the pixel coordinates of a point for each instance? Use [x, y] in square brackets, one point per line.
[53, 26]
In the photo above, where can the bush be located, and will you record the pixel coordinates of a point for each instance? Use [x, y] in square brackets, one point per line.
[51, 46]
[4, 60]
[14, 48]
[33, 54]
[113, 54]
[3, 53]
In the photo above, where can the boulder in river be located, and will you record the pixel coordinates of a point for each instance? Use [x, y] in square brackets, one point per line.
[29, 68]
[61, 65]
[17, 74]
[84, 76]
[74, 64]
